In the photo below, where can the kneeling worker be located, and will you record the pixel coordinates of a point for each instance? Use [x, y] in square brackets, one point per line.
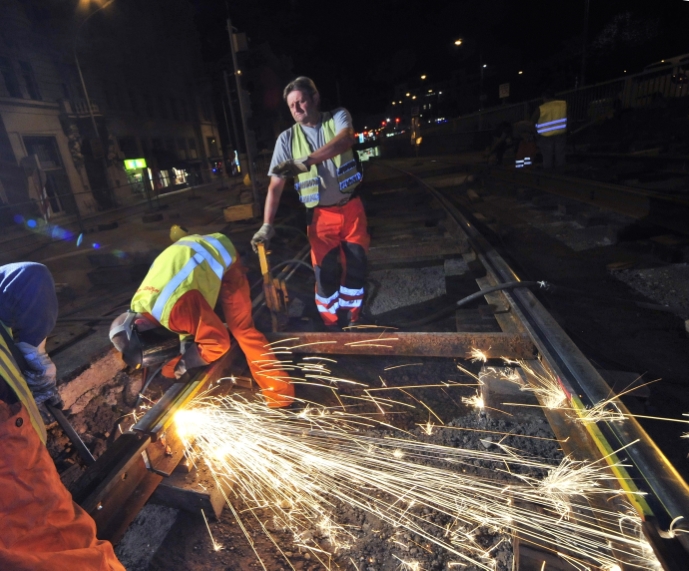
[42, 528]
[179, 293]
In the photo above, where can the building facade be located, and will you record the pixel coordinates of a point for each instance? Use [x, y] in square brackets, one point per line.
[142, 72]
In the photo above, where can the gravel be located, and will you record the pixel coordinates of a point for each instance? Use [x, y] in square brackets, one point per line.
[668, 285]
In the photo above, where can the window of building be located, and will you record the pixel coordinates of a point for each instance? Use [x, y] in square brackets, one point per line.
[133, 102]
[30, 80]
[182, 148]
[57, 187]
[193, 153]
[212, 146]
[10, 77]
[162, 107]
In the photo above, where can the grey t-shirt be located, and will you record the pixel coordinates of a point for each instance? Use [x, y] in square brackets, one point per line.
[329, 191]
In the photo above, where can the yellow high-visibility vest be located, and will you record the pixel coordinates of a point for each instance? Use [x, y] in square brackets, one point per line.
[552, 119]
[9, 370]
[308, 184]
[192, 263]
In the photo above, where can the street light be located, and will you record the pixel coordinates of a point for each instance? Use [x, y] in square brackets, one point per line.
[88, 100]
[458, 42]
[423, 76]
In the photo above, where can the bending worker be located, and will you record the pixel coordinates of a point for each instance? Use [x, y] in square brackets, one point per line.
[551, 125]
[42, 528]
[317, 152]
[179, 293]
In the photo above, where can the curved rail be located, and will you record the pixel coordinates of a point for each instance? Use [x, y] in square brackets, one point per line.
[652, 472]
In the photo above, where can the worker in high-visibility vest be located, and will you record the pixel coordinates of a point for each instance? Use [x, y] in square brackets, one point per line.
[550, 120]
[41, 528]
[317, 152]
[180, 292]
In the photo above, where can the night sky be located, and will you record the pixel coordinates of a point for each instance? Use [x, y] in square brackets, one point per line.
[369, 46]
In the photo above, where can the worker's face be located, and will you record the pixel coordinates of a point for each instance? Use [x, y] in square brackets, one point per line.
[303, 107]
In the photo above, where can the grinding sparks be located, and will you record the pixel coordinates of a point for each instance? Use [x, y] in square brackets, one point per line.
[476, 401]
[306, 469]
[476, 355]
[216, 545]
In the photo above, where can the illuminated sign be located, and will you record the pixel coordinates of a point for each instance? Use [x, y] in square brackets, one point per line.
[134, 164]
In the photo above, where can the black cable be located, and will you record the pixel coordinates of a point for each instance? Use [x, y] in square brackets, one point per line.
[449, 310]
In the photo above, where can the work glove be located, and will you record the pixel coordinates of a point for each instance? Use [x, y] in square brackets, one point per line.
[291, 167]
[264, 234]
[41, 374]
[191, 358]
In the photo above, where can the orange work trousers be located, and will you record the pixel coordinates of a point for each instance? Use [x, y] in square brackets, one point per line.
[235, 298]
[339, 231]
[193, 315]
[41, 529]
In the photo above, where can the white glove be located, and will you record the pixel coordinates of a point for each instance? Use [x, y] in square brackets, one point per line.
[41, 375]
[291, 167]
[264, 234]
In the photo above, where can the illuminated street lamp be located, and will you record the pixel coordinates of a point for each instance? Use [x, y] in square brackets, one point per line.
[458, 42]
[423, 76]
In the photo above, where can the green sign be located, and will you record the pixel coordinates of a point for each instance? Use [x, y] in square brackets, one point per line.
[133, 164]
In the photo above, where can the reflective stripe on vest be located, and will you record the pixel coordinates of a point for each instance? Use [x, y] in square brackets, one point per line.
[162, 288]
[309, 183]
[12, 375]
[552, 118]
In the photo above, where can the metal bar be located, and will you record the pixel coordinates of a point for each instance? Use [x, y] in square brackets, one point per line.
[68, 429]
[431, 344]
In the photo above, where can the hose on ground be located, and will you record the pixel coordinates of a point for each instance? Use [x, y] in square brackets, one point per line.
[450, 309]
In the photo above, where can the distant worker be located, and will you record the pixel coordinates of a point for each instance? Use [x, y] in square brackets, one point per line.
[42, 528]
[502, 140]
[550, 120]
[180, 292]
[317, 152]
[525, 133]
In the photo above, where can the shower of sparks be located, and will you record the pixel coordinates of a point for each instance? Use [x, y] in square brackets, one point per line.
[216, 545]
[475, 400]
[542, 383]
[604, 411]
[476, 355]
[299, 467]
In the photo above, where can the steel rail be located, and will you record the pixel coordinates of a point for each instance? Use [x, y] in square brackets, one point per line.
[651, 471]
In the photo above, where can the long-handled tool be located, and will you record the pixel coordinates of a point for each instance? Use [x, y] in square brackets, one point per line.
[274, 289]
[57, 413]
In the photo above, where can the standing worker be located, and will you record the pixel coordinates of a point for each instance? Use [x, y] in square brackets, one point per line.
[42, 528]
[551, 125]
[179, 293]
[317, 151]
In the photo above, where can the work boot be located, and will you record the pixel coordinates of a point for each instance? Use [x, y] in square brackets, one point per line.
[364, 318]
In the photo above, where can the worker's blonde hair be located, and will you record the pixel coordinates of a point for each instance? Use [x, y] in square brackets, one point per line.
[303, 84]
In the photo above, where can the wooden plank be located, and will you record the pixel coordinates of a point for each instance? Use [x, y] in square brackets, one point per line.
[191, 492]
[427, 344]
